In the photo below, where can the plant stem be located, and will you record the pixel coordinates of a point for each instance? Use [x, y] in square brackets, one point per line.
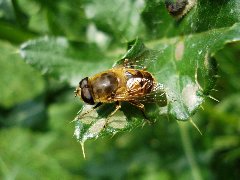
[187, 146]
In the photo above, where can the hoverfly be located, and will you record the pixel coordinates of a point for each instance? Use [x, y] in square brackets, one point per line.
[125, 82]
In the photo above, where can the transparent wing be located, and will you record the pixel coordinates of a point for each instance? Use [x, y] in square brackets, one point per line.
[137, 57]
[130, 63]
[157, 95]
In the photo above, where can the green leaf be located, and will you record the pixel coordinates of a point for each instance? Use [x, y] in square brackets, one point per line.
[7, 11]
[13, 33]
[107, 15]
[29, 114]
[64, 60]
[204, 15]
[228, 58]
[36, 13]
[18, 81]
[66, 19]
[26, 155]
[184, 65]
[13, 22]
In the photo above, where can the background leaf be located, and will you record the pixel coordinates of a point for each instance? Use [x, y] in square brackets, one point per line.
[205, 15]
[62, 59]
[68, 40]
[117, 13]
[177, 65]
[16, 84]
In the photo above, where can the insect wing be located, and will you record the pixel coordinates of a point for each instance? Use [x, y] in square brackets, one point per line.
[144, 61]
[138, 56]
[130, 63]
[157, 96]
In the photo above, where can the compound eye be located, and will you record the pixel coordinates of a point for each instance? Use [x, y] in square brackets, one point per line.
[84, 83]
[87, 96]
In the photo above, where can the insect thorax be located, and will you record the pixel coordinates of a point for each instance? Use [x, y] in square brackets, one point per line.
[104, 85]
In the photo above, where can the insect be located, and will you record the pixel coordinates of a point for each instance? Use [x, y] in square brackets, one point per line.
[126, 82]
[178, 8]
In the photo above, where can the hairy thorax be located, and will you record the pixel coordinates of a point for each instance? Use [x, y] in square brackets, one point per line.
[104, 85]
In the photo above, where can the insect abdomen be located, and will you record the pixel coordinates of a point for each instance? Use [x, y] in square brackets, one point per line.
[139, 82]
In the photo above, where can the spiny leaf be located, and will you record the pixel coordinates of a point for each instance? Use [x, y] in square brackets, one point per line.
[203, 16]
[62, 59]
[183, 64]
[186, 68]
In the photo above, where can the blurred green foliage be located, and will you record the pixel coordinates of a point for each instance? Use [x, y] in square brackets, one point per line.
[36, 138]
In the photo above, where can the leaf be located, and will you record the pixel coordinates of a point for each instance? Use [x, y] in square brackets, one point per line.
[204, 15]
[184, 65]
[12, 22]
[188, 68]
[66, 19]
[18, 81]
[107, 15]
[64, 60]
[92, 125]
[21, 17]
[229, 60]
[46, 155]
[7, 11]
[30, 114]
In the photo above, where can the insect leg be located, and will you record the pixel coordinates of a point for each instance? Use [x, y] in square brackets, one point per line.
[94, 107]
[82, 115]
[141, 107]
[118, 106]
